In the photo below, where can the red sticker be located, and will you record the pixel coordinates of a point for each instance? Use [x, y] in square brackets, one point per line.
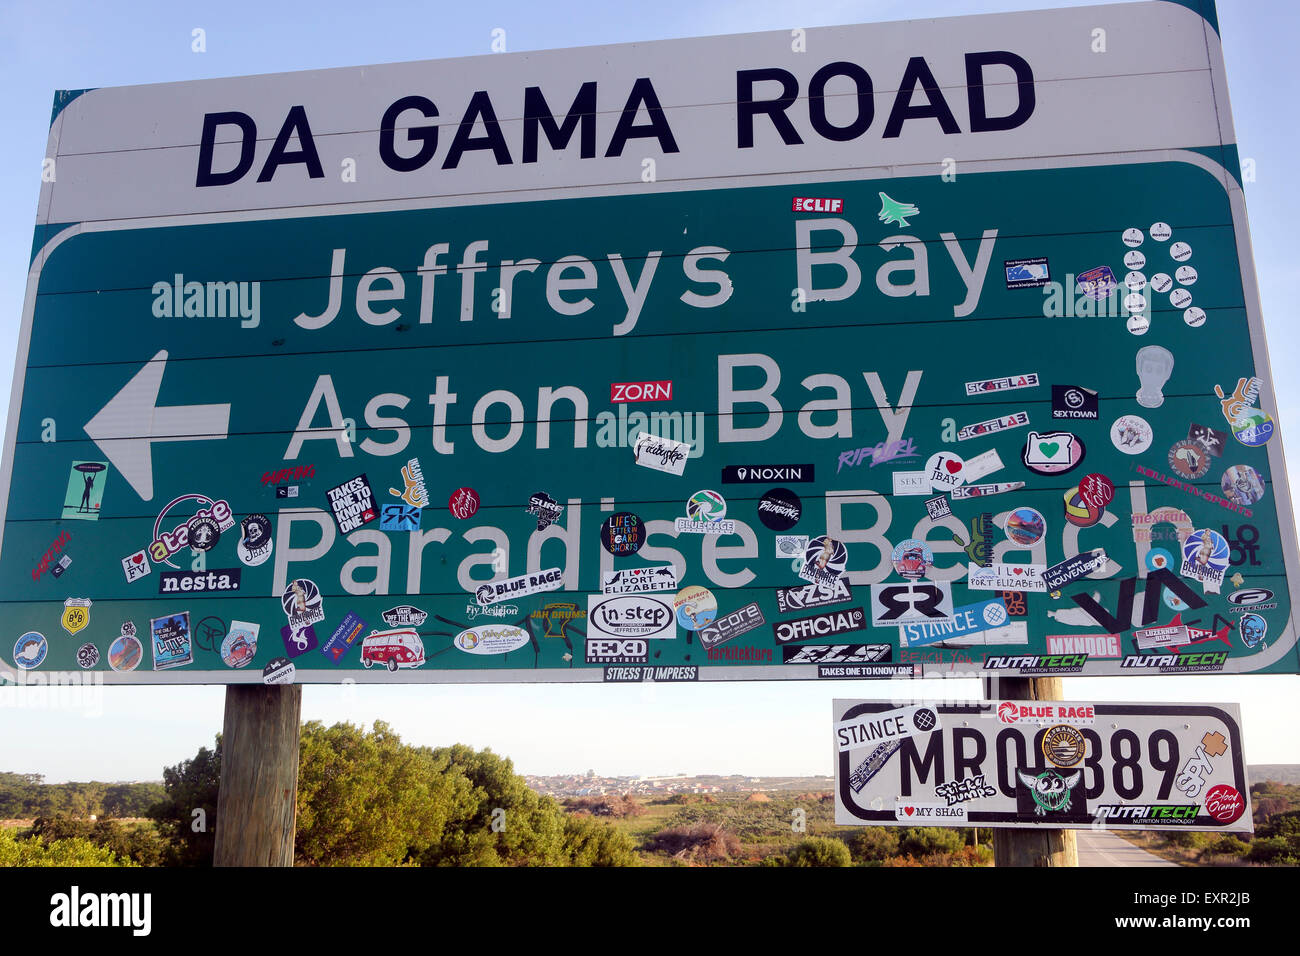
[463, 503]
[1097, 490]
[1224, 803]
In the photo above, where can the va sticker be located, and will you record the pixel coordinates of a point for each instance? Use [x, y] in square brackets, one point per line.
[85, 490]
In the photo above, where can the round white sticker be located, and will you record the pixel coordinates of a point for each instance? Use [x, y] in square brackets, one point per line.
[1134, 260]
[1131, 434]
[1180, 298]
[1186, 275]
[1180, 251]
[945, 470]
[1133, 237]
[1160, 231]
[1135, 302]
[1136, 281]
[1195, 317]
[1161, 282]
[1138, 324]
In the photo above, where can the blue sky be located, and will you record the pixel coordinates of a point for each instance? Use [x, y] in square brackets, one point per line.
[757, 728]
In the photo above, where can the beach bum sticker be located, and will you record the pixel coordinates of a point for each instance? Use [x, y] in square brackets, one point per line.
[1052, 453]
[463, 503]
[167, 543]
[76, 614]
[491, 639]
[980, 429]
[279, 671]
[824, 560]
[302, 603]
[912, 559]
[344, 636]
[534, 582]
[414, 492]
[30, 650]
[1085, 503]
[622, 534]
[85, 490]
[731, 625]
[829, 624]
[172, 646]
[1027, 273]
[1074, 402]
[925, 602]
[661, 454]
[780, 509]
[984, 623]
[647, 616]
[546, 509]
[240, 644]
[945, 471]
[695, 606]
[639, 580]
[404, 616]
[867, 730]
[982, 491]
[255, 542]
[1072, 569]
[1242, 485]
[353, 504]
[1098, 283]
[1205, 559]
[399, 517]
[1006, 577]
[706, 511]
[126, 652]
[1027, 380]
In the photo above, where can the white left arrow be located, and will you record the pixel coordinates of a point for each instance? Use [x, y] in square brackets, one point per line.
[126, 428]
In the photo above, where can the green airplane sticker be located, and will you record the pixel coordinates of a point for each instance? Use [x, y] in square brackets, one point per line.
[895, 212]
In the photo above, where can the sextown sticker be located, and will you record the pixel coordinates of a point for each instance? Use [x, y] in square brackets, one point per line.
[1074, 402]
[917, 601]
[353, 504]
[661, 454]
[171, 641]
[85, 490]
[491, 639]
[638, 580]
[1001, 423]
[645, 616]
[534, 582]
[1006, 577]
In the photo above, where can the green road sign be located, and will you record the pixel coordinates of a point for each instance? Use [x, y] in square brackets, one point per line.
[630, 373]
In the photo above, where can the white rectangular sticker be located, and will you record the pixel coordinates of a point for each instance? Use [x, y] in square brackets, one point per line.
[982, 464]
[661, 454]
[1006, 577]
[532, 583]
[870, 730]
[915, 602]
[911, 483]
[639, 580]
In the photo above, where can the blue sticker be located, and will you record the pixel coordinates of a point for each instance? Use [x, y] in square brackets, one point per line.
[344, 636]
[172, 646]
[30, 650]
[399, 517]
[968, 620]
[298, 641]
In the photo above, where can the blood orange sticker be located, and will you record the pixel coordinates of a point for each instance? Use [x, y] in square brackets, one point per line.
[463, 503]
[1225, 803]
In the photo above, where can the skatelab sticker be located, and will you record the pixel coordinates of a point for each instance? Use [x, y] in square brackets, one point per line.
[695, 607]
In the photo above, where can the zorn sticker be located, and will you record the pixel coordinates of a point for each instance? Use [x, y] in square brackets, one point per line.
[1130, 434]
[622, 534]
[696, 606]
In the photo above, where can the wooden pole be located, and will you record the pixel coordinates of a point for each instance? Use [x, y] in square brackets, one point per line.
[1025, 847]
[257, 802]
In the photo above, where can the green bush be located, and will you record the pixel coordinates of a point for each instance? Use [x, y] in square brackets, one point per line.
[1273, 850]
[1229, 845]
[820, 851]
[872, 844]
[921, 841]
[34, 851]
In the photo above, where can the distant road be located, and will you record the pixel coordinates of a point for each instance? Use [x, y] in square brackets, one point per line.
[1101, 848]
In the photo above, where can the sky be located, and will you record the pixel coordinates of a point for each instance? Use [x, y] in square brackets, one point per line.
[768, 728]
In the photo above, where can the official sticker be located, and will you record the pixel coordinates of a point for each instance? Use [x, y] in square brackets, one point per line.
[87, 656]
[622, 534]
[136, 566]
[695, 607]
[1025, 527]
[1189, 459]
[85, 491]
[1242, 485]
[239, 646]
[126, 652]
[912, 559]
[172, 644]
[1052, 453]
[944, 471]
[30, 650]
[1130, 434]
[463, 503]
[780, 509]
